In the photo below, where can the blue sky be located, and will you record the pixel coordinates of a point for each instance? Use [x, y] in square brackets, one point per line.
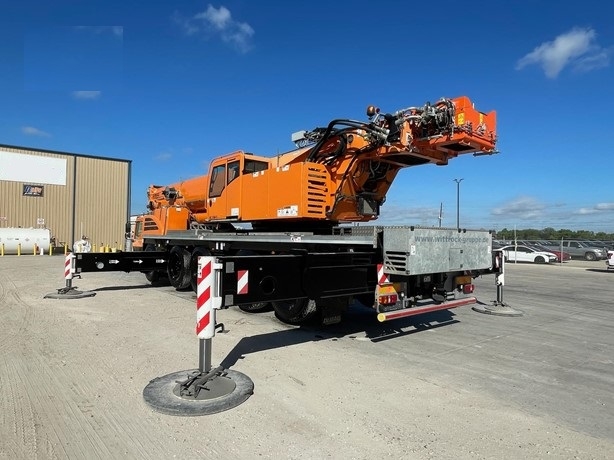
[170, 85]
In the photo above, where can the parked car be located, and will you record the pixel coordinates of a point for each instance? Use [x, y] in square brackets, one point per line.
[580, 250]
[561, 256]
[609, 262]
[524, 253]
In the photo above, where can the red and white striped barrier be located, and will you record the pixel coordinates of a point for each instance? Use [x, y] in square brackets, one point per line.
[205, 302]
[382, 278]
[68, 267]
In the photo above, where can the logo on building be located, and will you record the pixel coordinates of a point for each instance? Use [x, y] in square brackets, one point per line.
[33, 190]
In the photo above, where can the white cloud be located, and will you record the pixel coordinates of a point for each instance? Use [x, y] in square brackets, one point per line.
[164, 156]
[599, 208]
[116, 31]
[32, 131]
[219, 18]
[577, 48]
[218, 21]
[86, 94]
[521, 208]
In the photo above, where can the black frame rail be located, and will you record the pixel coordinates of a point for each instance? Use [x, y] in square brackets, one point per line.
[142, 261]
[293, 276]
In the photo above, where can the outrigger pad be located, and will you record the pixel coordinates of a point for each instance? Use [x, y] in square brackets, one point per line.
[229, 389]
[497, 309]
[69, 293]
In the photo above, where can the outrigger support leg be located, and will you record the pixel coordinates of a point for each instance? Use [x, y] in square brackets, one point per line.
[498, 307]
[205, 390]
[69, 291]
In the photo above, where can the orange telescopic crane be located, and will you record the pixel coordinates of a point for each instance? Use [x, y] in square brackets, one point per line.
[275, 225]
[338, 173]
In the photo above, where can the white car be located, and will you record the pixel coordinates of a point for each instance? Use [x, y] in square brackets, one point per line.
[522, 253]
[609, 262]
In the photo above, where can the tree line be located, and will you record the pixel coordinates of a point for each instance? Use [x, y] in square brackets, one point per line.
[550, 233]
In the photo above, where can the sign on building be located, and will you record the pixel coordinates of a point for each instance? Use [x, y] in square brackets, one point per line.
[33, 190]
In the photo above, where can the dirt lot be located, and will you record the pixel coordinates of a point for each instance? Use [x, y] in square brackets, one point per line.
[450, 385]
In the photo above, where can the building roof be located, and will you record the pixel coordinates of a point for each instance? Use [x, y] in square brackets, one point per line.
[57, 152]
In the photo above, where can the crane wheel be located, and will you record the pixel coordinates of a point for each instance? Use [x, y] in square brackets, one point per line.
[179, 268]
[155, 277]
[296, 312]
[256, 307]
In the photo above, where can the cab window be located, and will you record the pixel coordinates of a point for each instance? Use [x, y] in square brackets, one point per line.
[252, 166]
[218, 181]
[233, 171]
[138, 228]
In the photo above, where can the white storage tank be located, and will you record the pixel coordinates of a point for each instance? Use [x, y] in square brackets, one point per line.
[29, 238]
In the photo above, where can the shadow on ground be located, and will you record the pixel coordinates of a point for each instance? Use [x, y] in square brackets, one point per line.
[359, 323]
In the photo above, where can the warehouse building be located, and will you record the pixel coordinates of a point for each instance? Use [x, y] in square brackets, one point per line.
[72, 195]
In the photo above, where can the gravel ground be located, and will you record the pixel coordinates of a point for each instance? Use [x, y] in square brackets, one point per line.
[449, 385]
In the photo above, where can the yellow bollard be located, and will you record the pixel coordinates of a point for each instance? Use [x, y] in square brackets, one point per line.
[94, 248]
[18, 249]
[101, 247]
[50, 250]
[2, 250]
[34, 251]
[65, 249]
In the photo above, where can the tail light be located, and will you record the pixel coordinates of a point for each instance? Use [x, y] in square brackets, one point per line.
[388, 299]
[468, 288]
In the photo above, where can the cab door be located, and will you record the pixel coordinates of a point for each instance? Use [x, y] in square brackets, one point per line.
[216, 197]
[233, 188]
[225, 189]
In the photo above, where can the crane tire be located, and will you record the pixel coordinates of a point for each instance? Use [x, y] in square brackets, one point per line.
[179, 268]
[297, 311]
[256, 307]
[155, 277]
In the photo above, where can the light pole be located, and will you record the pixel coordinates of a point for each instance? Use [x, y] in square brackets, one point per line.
[458, 181]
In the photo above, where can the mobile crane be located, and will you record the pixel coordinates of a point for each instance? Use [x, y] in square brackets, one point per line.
[281, 219]
[340, 173]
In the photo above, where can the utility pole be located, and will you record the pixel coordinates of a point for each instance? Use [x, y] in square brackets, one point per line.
[440, 213]
[458, 181]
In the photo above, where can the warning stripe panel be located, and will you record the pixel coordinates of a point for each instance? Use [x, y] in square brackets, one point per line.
[381, 276]
[242, 281]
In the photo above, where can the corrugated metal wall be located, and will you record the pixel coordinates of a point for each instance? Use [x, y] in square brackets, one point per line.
[94, 202]
[101, 197]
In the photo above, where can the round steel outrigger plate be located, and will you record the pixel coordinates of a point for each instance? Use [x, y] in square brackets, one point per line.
[220, 393]
[497, 309]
